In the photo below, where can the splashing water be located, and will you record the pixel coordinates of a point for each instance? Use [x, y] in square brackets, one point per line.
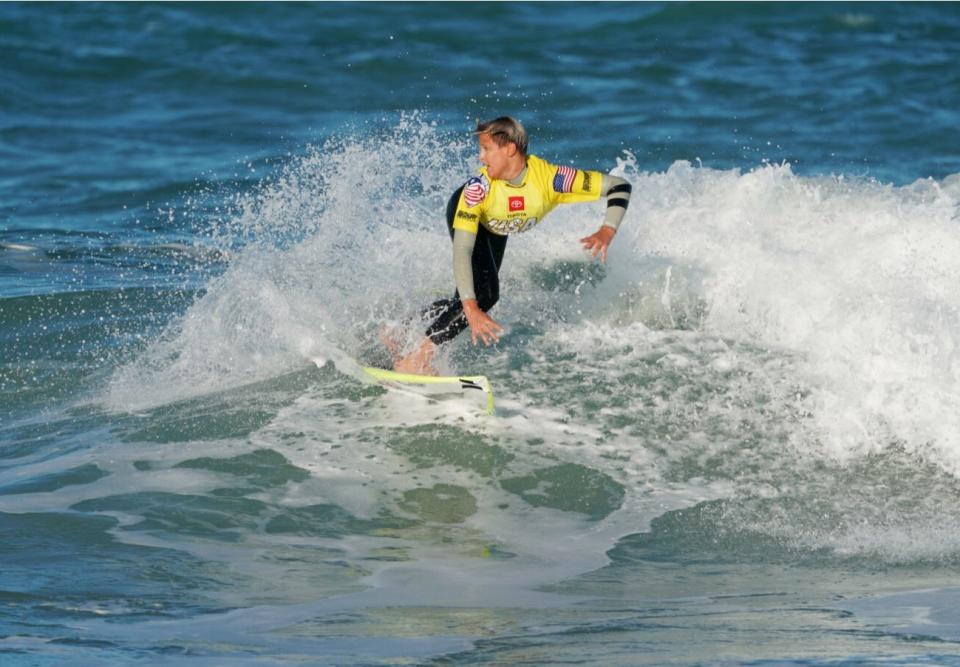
[827, 305]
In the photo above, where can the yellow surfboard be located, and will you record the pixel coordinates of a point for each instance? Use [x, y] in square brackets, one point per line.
[434, 384]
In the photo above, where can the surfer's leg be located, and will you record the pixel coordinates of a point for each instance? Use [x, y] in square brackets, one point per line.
[420, 361]
[448, 320]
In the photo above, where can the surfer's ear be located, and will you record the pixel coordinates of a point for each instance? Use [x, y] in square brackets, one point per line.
[511, 148]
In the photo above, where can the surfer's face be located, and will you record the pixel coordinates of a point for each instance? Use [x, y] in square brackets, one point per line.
[498, 159]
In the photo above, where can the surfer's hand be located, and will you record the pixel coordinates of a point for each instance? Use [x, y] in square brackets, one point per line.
[481, 325]
[598, 242]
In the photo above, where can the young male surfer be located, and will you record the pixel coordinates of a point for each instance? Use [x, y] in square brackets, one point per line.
[511, 194]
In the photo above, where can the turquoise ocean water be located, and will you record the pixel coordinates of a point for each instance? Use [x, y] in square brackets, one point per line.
[736, 443]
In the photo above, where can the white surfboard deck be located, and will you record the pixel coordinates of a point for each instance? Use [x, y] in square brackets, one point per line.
[426, 385]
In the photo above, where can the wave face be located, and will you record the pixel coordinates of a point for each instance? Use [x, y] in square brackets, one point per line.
[849, 280]
[750, 331]
[762, 373]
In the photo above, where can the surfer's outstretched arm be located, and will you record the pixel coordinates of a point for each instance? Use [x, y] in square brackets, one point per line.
[617, 191]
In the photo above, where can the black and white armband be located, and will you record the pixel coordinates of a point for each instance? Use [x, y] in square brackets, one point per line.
[617, 191]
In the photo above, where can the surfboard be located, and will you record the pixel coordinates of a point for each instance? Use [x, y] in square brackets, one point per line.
[434, 384]
[418, 384]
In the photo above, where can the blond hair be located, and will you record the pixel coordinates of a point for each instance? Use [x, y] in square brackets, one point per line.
[505, 130]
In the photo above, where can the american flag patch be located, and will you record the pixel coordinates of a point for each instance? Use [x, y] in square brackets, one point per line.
[475, 190]
[563, 179]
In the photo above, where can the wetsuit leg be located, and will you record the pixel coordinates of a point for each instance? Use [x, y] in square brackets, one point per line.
[447, 314]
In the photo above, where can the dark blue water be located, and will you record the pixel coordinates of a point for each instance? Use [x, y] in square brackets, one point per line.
[736, 443]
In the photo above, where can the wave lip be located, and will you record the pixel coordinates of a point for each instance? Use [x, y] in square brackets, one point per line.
[856, 276]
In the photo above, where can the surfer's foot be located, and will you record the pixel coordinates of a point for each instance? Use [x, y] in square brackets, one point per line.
[420, 361]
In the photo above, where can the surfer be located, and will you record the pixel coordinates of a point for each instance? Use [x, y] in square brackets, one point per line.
[511, 194]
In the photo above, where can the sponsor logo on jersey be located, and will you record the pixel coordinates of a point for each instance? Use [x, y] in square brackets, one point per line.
[516, 203]
[467, 216]
[511, 226]
[563, 179]
[475, 190]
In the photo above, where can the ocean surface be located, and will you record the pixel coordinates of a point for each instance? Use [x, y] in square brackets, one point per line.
[735, 443]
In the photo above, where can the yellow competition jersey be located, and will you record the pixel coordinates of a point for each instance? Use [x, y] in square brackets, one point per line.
[506, 209]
